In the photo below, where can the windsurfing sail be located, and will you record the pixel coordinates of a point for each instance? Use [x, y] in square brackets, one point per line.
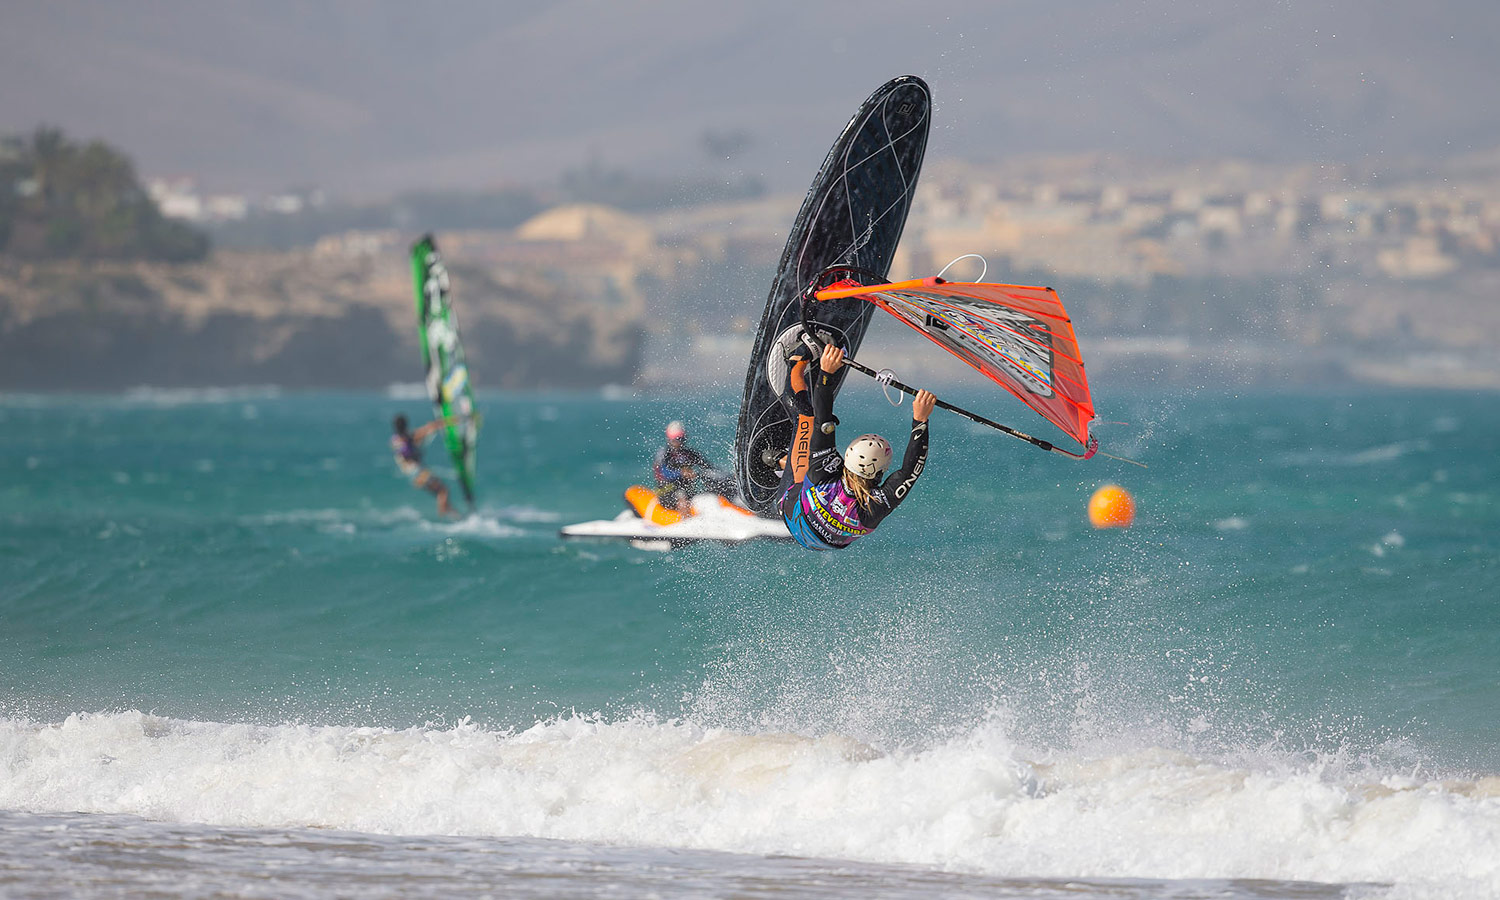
[1019, 337]
[447, 375]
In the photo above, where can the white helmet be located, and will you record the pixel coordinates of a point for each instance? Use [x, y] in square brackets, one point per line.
[868, 456]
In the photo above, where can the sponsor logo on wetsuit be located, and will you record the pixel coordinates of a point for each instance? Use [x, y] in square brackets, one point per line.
[838, 511]
[916, 470]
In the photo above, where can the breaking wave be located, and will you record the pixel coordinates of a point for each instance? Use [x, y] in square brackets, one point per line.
[971, 803]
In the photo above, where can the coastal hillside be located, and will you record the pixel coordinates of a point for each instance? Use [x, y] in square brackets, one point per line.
[100, 290]
[297, 319]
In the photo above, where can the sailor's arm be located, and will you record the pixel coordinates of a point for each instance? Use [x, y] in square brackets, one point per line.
[914, 460]
[823, 439]
[698, 461]
[426, 431]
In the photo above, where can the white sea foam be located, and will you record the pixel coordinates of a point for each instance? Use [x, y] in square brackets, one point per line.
[523, 514]
[1384, 453]
[153, 396]
[1392, 541]
[974, 803]
[487, 523]
[368, 516]
[1387, 452]
[474, 525]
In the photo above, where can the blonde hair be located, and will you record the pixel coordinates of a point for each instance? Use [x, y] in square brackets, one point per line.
[859, 486]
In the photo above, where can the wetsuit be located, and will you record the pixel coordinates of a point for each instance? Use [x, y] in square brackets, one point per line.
[819, 511]
[409, 460]
[670, 466]
[408, 454]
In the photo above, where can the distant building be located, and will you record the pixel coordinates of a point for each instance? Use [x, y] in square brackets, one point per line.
[360, 244]
[178, 198]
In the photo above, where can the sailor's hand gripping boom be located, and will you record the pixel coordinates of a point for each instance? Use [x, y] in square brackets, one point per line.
[885, 378]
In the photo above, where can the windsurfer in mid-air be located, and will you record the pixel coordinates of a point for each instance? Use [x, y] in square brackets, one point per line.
[407, 448]
[680, 469]
[828, 501]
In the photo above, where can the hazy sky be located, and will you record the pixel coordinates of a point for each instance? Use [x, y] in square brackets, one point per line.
[373, 96]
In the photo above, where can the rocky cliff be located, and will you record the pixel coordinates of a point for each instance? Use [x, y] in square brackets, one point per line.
[300, 319]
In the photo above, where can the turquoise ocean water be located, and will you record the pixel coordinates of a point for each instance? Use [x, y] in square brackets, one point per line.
[234, 642]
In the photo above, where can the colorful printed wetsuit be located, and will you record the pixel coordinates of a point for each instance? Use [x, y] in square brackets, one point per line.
[819, 512]
[408, 454]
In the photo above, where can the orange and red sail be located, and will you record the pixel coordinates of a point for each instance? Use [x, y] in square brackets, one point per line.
[1019, 337]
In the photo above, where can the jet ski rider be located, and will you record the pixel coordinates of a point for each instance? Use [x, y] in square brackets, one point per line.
[678, 470]
[828, 502]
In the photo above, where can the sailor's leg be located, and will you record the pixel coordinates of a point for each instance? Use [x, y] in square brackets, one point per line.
[434, 485]
[789, 486]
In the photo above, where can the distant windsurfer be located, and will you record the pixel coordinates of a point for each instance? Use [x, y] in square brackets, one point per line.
[680, 469]
[827, 501]
[407, 448]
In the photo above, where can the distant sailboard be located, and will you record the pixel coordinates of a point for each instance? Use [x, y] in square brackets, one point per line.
[853, 215]
[1017, 336]
[447, 375]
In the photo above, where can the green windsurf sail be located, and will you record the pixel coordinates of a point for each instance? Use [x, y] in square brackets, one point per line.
[443, 359]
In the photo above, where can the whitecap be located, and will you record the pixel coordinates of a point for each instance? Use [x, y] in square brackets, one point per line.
[974, 802]
[524, 514]
[475, 525]
[1386, 452]
[1391, 541]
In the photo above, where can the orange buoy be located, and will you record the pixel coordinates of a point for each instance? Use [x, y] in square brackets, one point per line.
[1111, 507]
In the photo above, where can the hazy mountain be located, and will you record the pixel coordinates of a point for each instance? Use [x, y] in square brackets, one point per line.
[376, 95]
